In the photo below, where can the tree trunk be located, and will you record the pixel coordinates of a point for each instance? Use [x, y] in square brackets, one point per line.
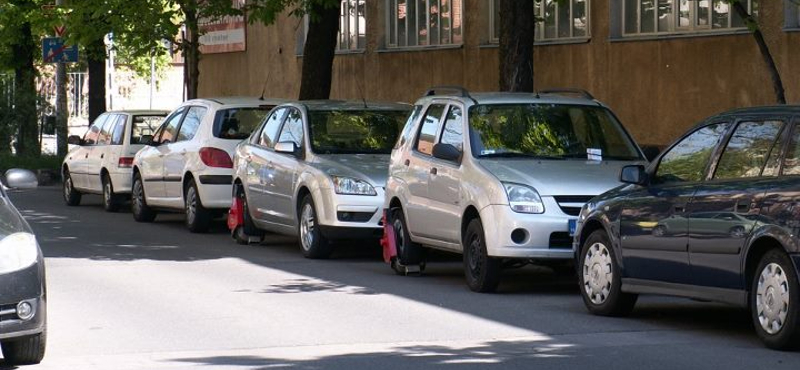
[318, 53]
[517, 24]
[25, 94]
[777, 83]
[96, 60]
[62, 129]
[191, 51]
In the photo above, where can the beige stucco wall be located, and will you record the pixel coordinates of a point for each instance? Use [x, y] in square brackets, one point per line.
[658, 88]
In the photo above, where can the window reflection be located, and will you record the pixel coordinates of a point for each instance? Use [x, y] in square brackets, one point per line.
[747, 150]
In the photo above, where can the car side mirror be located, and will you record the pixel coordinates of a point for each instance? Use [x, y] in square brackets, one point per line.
[74, 140]
[634, 174]
[447, 152]
[286, 147]
[17, 178]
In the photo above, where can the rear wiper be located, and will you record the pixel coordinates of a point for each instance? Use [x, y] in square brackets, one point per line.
[517, 155]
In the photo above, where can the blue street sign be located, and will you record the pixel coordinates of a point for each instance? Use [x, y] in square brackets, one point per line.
[54, 51]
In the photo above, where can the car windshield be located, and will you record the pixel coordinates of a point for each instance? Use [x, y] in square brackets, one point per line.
[145, 126]
[550, 131]
[355, 131]
[238, 123]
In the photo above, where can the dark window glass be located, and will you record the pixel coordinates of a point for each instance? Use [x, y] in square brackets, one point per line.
[687, 161]
[191, 123]
[239, 123]
[91, 136]
[354, 131]
[118, 135]
[271, 126]
[791, 165]
[453, 132]
[144, 126]
[169, 132]
[430, 126]
[105, 131]
[748, 149]
[405, 136]
[292, 130]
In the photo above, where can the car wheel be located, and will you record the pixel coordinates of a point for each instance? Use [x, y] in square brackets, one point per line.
[738, 232]
[245, 233]
[482, 272]
[24, 351]
[774, 300]
[141, 211]
[313, 243]
[111, 201]
[408, 252]
[198, 218]
[71, 196]
[599, 275]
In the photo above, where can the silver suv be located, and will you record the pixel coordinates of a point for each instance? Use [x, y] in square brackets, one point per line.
[499, 177]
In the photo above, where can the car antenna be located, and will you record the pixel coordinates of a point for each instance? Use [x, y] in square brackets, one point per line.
[361, 92]
[264, 89]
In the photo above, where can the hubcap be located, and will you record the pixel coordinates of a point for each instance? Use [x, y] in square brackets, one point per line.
[138, 201]
[307, 225]
[772, 298]
[399, 235]
[191, 204]
[107, 192]
[475, 254]
[67, 187]
[597, 273]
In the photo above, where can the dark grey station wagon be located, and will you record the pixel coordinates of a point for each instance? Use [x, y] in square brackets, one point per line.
[715, 217]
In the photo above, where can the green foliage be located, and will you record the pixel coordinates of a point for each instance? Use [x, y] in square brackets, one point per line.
[267, 11]
[141, 64]
[50, 162]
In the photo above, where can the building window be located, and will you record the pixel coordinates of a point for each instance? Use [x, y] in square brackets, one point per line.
[652, 17]
[352, 25]
[415, 23]
[792, 12]
[569, 20]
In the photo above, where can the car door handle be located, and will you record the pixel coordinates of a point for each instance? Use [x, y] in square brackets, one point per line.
[407, 163]
[434, 171]
[87, 155]
[102, 155]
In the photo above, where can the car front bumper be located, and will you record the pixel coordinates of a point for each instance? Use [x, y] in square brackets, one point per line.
[546, 236]
[15, 287]
[349, 216]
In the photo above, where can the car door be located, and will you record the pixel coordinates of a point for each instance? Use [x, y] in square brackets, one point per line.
[175, 157]
[444, 181]
[653, 220]
[94, 162]
[152, 159]
[780, 205]
[420, 165]
[80, 158]
[284, 171]
[260, 170]
[738, 182]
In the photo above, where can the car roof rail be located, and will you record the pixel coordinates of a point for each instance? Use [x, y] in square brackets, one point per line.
[566, 91]
[437, 90]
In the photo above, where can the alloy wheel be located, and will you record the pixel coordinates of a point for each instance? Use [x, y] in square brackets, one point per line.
[191, 204]
[772, 298]
[597, 273]
[307, 225]
[68, 187]
[138, 201]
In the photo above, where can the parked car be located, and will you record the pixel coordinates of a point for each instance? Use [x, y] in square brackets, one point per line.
[317, 169]
[188, 166]
[741, 166]
[499, 177]
[100, 162]
[23, 294]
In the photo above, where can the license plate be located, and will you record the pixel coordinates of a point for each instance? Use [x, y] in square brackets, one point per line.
[573, 224]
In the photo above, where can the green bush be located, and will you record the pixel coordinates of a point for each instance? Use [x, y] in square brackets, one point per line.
[45, 162]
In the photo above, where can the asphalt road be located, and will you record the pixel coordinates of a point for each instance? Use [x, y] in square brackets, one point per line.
[124, 295]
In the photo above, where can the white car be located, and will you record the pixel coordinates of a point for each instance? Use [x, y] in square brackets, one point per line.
[100, 162]
[188, 164]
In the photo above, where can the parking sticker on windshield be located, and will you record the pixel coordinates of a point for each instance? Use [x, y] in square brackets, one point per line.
[594, 154]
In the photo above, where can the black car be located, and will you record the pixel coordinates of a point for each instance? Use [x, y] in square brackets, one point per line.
[22, 283]
[716, 217]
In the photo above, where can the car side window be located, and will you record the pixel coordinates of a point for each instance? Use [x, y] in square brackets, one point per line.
[292, 130]
[191, 123]
[687, 161]
[430, 126]
[169, 131]
[791, 164]
[270, 131]
[453, 132]
[748, 149]
[118, 134]
[405, 135]
[91, 136]
[105, 131]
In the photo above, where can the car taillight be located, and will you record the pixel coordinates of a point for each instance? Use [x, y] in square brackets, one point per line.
[125, 162]
[214, 157]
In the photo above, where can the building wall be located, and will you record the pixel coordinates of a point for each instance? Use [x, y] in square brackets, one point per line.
[658, 87]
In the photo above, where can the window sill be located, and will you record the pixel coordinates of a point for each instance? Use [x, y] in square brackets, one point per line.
[570, 41]
[343, 52]
[791, 29]
[678, 35]
[419, 48]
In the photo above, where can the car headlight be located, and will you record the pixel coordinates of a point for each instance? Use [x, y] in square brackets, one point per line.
[523, 199]
[351, 186]
[18, 251]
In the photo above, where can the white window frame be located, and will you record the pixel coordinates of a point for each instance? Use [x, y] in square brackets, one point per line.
[392, 25]
[348, 17]
[539, 34]
[676, 29]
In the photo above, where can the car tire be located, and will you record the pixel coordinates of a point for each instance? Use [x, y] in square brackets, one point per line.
[408, 252]
[243, 234]
[111, 201]
[198, 218]
[599, 277]
[774, 300]
[24, 351]
[141, 211]
[71, 196]
[312, 242]
[481, 271]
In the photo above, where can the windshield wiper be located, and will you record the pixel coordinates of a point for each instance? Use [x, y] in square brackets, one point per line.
[517, 155]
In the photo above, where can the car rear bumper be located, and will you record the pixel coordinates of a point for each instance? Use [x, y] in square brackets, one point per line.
[122, 181]
[546, 236]
[215, 186]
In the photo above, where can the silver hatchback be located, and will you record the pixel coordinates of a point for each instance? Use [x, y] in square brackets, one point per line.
[499, 177]
[315, 169]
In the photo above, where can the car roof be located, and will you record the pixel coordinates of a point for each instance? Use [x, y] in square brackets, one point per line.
[140, 112]
[241, 101]
[766, 109]
[517, 98]
[324, 105]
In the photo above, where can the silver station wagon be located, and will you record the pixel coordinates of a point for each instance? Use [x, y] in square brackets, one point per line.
[315, 169]
[499, 177]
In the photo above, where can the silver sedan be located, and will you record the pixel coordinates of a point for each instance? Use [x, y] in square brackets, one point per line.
[316, 170]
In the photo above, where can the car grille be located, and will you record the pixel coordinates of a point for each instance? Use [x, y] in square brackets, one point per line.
[560, 240]
[8, 312]
[571, 204]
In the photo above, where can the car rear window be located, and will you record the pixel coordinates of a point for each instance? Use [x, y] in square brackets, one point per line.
[145, 126]
[239, 123]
